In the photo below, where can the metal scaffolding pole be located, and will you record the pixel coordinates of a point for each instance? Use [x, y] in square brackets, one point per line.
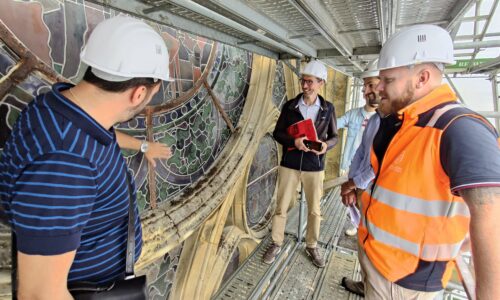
[200, 9]
[302, 206]
[489, 114]
[480, 44]
[485, 28]
[454, 88]
[494, 85]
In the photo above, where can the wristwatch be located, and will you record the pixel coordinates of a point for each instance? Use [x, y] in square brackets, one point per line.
[144, 146]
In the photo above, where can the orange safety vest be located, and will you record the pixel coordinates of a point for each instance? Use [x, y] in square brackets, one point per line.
[409, 213]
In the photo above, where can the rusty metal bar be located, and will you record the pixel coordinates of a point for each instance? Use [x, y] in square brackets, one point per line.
[170, 105]
[219, 107]
[151, 170]
[16, 75]
[29, 59]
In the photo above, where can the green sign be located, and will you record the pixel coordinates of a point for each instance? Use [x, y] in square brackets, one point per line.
[464, 63]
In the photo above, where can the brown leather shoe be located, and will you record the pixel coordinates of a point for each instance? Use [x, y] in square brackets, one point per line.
[355, 287]
[271, 253]
[316, 257]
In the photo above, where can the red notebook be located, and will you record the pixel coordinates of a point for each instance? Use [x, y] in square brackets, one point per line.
[303, 128]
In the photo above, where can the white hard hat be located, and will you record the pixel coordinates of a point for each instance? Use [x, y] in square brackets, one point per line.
[316, 69]
[417, 44]
[122, 48]
[371, 69]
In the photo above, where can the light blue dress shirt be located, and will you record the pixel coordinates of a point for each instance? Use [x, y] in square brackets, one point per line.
[353, 121]
[361, 171]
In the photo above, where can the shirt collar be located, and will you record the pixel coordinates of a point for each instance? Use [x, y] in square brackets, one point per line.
[316, 103]
[75, 114]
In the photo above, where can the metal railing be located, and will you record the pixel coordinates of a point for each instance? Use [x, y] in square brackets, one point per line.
[466, 275]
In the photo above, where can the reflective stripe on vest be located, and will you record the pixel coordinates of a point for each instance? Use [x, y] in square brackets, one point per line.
[430, 208]
[439, 112]
[442, 252]
[392, 240]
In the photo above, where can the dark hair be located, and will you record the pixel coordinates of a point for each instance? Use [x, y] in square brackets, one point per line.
[117, 87]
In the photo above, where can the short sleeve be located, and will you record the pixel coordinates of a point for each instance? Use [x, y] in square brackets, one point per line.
[52, 200]
[470, 154]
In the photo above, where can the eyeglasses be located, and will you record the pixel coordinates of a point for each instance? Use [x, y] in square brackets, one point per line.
[306, 81]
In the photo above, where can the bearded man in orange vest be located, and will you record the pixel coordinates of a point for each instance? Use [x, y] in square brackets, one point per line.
[433, 185]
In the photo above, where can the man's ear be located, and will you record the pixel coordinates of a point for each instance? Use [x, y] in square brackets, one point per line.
[138, 94]
[423, 77]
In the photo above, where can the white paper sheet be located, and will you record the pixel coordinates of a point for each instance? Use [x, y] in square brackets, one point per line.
[355, 215]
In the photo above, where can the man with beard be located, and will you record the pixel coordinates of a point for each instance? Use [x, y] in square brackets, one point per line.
[355, 120]
[432, 182]
[64, 183]
[299, 164]
[361, 171]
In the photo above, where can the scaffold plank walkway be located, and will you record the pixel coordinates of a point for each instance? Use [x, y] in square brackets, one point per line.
[292, 275]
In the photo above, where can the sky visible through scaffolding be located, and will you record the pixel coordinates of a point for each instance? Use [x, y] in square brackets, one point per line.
[477, 89]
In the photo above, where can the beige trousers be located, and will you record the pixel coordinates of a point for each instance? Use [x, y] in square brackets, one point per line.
[377, 287]
[288, 182]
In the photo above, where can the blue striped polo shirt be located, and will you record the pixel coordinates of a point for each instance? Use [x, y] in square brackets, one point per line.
[63, 187]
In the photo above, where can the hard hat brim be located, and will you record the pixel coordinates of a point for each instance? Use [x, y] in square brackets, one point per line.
[117, 78]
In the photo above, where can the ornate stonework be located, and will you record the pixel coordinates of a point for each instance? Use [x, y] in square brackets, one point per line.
[213, 200]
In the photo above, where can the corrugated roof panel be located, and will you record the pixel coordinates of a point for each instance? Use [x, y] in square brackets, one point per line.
[358, 20]
[285, 14]
[188, 14]
[352, 28]
[353, 15]
[423, 11]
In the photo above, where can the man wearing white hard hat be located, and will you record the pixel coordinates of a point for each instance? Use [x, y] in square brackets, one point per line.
[356, 119]
[361, 172]
[432, 183]
[64, 183]
[301, 164]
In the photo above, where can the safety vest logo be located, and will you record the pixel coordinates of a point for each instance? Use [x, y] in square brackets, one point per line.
[395, 166]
